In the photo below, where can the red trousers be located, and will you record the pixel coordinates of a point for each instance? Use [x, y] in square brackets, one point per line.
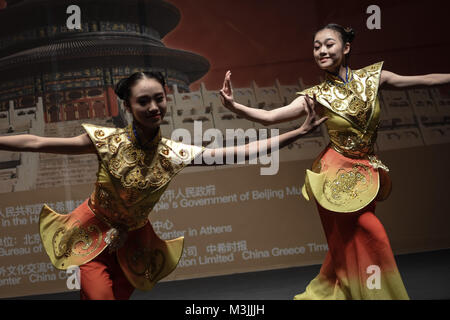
[357, 241]
[103, 279]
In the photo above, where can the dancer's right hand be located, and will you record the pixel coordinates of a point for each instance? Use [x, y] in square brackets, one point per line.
[312, 120]
[116, 238]
[226, 93]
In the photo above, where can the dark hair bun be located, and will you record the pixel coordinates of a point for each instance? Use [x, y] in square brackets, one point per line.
[350, 34]
[121, 89]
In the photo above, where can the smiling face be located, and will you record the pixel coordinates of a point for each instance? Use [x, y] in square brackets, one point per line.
[329, 50]
[147, 103]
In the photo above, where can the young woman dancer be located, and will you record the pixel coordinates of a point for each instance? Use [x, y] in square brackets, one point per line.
[136, 165]
[346, 179]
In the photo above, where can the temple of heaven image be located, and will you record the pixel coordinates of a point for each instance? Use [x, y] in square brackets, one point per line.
[75, 70]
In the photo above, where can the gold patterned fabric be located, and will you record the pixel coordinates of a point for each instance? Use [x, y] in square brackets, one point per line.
[147, 259]
[72, 239]
[130, 181]
[345, 177]
[342, 184]
[353, 109]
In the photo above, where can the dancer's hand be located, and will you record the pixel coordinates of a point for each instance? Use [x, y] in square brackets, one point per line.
[226, 94]
[116, 238]
[312, 120]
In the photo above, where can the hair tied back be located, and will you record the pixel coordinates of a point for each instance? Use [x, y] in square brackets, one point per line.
[350, 34]
[121, 88]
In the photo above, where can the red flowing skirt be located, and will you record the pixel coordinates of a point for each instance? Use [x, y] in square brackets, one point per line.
[359, 263]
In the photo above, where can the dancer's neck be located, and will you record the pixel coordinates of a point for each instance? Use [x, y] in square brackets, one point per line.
[144, 134]
[341, 72]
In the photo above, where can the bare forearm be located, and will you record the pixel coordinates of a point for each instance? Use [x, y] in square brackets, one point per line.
[268, 145]
[432, 79]
[437, 78]
[253, 114]
[292, 111]
[400, 81]
[20, 143]
[287, 138]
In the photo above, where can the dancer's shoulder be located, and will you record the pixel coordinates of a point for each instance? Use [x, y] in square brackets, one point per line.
[375, 67]
[97, 132]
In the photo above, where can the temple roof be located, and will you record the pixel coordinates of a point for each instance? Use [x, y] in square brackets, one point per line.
[114, 33]
[101, 51]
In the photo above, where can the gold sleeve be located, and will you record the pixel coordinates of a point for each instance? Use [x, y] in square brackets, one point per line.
[179, 154]
[106, 140]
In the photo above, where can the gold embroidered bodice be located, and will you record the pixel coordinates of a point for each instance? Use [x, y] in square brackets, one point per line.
[346, 176]
[130, 179]
[352, 108]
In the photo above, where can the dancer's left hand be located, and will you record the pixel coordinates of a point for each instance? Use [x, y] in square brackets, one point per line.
[226, 93]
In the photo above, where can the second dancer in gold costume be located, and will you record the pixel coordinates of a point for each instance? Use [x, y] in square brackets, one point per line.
[347, 179]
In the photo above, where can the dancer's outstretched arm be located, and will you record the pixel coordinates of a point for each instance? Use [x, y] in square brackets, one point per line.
[294, 110]
[30, 143]
[393, 79]
[252, 149]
